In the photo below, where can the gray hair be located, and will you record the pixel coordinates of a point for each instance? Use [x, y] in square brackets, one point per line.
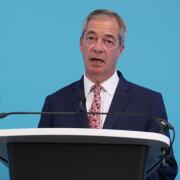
[103, 13]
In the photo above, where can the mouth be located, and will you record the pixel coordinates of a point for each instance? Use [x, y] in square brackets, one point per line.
[96, 60]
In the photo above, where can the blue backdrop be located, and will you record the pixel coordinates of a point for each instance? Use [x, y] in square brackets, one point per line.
[39, 52]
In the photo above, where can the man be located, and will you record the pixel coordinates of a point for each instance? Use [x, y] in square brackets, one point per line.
[103, 89]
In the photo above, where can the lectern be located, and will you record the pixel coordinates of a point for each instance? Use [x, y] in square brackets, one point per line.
[80, 154]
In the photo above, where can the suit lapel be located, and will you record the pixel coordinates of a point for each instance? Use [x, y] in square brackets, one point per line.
[78, 102]
[120, 101]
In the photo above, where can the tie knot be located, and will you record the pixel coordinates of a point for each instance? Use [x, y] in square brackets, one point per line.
[96, 89]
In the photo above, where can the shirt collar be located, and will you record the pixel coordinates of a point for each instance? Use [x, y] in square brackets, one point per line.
[87, 85]
[109, 85]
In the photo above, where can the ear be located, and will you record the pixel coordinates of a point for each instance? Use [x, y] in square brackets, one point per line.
[80, 43]
[121, 48]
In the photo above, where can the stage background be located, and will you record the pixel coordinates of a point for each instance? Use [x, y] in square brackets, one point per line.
[39, 53]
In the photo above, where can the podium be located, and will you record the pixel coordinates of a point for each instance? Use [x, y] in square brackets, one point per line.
[80, 154]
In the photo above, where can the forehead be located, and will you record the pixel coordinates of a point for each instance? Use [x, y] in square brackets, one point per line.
[108, 26]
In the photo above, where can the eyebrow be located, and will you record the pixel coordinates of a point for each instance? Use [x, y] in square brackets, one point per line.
[106, 35]
[110, 36]
[90, 32]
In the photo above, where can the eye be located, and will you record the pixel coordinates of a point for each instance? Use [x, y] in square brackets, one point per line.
[109, 43]
[90, 39]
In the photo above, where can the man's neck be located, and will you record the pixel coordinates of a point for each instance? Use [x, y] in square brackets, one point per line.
[98, 79]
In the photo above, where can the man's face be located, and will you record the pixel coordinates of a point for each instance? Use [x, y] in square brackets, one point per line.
[100, 48]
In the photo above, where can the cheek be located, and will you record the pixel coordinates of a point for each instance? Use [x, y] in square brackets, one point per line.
[113, 57]
[85, 54]
[86, 51]
[116, 53]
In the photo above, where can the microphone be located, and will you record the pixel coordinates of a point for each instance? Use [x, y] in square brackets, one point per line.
[165, 125]
[3, 115]
[81, 99]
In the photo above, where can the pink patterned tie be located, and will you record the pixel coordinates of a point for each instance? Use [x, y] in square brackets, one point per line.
[94, 119]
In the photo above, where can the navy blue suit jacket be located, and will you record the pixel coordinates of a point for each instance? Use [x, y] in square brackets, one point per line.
[128, 98]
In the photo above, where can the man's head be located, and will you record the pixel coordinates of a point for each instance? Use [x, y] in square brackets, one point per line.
[101, 43]
[103, 14]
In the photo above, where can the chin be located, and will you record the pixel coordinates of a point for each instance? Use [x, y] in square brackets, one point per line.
[96, 71]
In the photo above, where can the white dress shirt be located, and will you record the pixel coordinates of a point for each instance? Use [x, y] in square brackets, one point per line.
[107, 93]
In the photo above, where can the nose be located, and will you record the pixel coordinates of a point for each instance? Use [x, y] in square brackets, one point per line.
[98, 46]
